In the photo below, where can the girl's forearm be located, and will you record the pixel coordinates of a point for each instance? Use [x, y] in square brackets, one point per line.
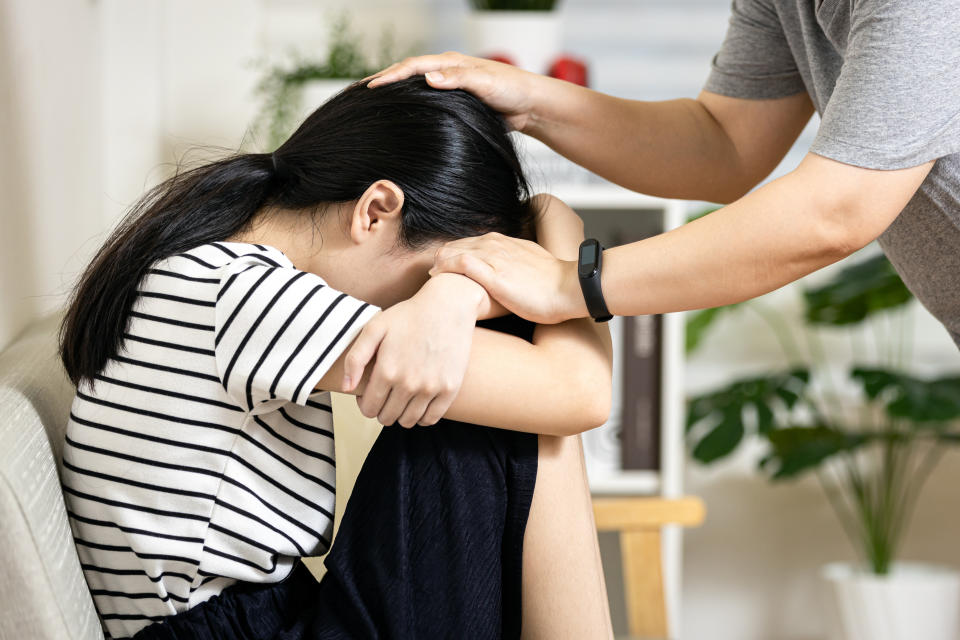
[560, 231]
[558, 385]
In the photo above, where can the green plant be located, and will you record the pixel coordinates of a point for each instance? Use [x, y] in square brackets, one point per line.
[281, 86]
[513, 5]
[872, 452]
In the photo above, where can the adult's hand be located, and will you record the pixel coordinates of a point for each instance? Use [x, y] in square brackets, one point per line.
[422, 347]
[521, 275]
[508, 89]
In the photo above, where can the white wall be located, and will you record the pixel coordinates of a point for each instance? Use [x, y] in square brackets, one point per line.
[97, 96]
[50, 172]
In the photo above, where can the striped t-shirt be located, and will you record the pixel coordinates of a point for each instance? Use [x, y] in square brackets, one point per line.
[201, 454]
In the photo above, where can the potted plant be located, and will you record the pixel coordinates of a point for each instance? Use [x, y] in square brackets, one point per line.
[290, 92]
[526, 33]
[871, 436]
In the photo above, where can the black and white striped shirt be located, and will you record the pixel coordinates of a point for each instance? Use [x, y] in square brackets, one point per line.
[201, 454]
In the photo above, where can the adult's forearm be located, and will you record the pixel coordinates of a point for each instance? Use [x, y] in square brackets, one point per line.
[817, 214]
[770, 237]
[673, 149]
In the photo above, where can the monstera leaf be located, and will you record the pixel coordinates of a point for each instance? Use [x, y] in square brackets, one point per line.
[904, 396]
[859, 290]
[724, 411]
[794, 450]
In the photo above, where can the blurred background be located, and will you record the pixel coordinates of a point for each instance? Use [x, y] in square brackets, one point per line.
[100, 99]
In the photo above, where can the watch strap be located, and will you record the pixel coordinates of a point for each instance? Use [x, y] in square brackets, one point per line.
[593, 293]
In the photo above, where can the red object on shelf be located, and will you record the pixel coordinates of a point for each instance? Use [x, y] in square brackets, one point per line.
[500, 57]
[570, 69]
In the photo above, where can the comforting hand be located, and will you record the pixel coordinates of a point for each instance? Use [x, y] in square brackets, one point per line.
[537, 281]
[521, 275]
[422, 346]
[503, 87]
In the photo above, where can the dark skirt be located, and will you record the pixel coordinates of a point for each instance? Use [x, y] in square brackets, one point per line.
[430, 546]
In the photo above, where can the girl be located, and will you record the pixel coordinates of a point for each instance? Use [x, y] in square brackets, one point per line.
[206, 335]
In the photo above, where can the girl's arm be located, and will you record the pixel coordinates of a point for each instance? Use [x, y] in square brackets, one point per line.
[559, 384]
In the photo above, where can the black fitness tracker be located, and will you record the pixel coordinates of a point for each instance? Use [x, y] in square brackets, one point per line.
[588, 269]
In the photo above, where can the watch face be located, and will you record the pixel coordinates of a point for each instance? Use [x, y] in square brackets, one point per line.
[588, 259]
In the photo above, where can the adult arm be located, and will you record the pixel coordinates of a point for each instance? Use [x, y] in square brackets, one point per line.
[881, 131]
[559, 384]
[817, 214]
[713, 148]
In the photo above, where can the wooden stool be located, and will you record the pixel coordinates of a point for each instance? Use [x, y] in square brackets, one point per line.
[638, 520]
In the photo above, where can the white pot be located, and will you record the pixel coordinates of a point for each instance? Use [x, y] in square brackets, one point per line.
[914, 602]
[532, 39]
[316, 92]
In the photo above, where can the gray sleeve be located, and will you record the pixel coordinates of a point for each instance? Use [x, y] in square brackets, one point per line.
[896, 103]
[755, 60]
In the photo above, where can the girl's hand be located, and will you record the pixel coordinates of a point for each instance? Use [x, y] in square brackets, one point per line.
[422, 347]
[508, 89]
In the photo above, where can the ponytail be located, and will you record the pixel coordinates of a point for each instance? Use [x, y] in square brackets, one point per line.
[209, 203]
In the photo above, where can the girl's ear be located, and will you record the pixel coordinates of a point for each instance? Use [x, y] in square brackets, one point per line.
[377, 211]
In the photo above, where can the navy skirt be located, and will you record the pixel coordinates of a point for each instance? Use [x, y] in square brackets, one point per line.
[430, 546]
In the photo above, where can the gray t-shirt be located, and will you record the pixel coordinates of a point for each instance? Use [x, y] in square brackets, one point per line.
[884, 75]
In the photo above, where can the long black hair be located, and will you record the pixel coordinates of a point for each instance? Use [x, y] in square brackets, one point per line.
[447, 151]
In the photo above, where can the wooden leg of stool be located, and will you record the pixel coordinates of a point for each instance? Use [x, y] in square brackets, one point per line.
[643, 583]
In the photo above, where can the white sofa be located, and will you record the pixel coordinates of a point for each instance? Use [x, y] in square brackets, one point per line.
[42, 592]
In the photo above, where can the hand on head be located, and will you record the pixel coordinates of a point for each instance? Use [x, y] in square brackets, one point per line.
[503, 87]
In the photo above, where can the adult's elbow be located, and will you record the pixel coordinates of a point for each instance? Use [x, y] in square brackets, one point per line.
[730, 190]
[846, 223]
[853, 205]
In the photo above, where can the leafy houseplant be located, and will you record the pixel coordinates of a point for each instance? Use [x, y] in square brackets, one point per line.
[872, 452]
[281, 87]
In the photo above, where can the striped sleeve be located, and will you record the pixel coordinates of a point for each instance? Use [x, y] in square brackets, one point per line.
[278, 330]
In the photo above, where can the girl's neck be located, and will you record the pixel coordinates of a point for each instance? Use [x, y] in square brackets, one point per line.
[298, 235]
